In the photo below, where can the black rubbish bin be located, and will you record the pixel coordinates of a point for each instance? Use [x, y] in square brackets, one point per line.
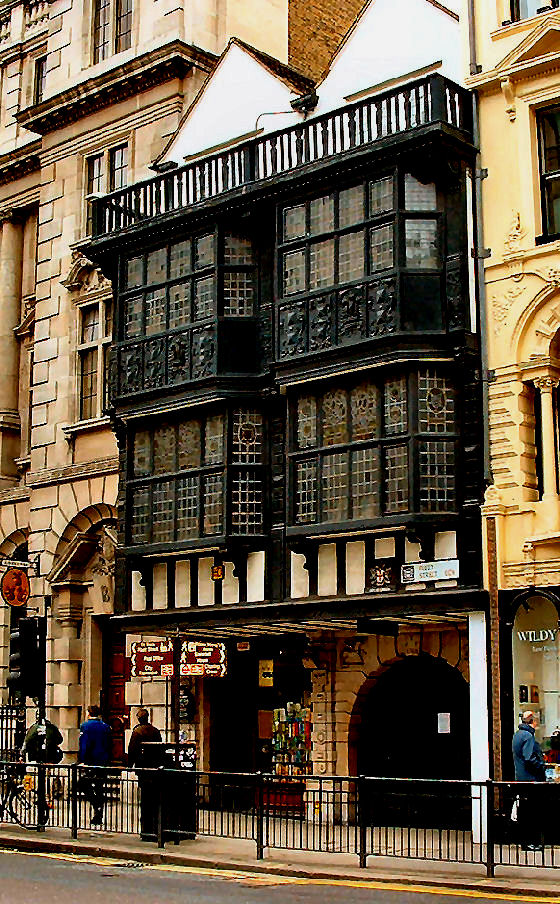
[176, 782]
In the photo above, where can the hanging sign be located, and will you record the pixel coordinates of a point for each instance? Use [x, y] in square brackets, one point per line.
[14, 587]
[151, 659]
[203, 660]
[442, 570]
[218, 572]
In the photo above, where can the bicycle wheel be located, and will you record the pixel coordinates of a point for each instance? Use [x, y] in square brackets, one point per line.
[23, 805]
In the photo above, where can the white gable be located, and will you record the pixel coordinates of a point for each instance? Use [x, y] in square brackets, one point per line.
[391, 39]
[234, 97]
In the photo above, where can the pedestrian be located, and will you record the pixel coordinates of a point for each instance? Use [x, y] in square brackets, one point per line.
[42, 743]
[529, 766]
[141, 733]
[95, 750]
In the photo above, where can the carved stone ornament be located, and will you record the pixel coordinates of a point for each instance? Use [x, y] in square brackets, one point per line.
[508, 90]
[85, 277]
[352, 652]
[501, 306]
[512, 243]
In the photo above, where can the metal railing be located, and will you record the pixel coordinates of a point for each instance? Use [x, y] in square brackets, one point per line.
[451, 821]
[433, 99]
[12, 731]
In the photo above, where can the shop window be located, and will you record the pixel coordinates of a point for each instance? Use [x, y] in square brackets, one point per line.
[112, 28]
[524, 9]
[536, 670]
[95, 331]
[177, 485]
[351, 450]
[189, 281]
[549, 139]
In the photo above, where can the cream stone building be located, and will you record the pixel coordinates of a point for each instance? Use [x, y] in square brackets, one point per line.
[515, 68]
[91, 91]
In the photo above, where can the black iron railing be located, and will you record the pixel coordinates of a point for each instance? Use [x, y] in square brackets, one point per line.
[404, 109]
[452, 821]
[12, 731]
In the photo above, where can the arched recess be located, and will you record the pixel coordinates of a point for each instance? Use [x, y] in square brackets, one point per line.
[522, 599]
[16, 540]
[536, 329]
[411, 719]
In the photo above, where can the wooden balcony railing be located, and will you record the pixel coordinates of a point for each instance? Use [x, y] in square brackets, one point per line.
[405, 109]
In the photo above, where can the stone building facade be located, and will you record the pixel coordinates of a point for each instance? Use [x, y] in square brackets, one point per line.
[91, 93]
[515, 68]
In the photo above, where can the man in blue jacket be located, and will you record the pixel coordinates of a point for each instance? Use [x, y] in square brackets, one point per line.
[529, 767]
[95, 750]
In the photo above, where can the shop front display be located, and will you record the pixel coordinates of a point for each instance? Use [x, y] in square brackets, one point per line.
[536, 674]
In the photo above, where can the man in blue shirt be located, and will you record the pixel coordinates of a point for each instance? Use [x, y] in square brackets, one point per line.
[95, 750]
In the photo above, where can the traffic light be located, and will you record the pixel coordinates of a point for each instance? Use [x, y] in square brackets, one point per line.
[28, 657]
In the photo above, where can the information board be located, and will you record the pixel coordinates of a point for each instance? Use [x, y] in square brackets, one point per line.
[151, 659]
[203, 660]
[199, 659]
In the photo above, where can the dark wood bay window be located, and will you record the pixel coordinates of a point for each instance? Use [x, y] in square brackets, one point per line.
[198, 477]
[354, 449]
[549, 135]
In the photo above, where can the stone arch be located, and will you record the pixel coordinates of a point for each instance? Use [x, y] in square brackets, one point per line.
[536, 329]
[14, 541]
[85, 522]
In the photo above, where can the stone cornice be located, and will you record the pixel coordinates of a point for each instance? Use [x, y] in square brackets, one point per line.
[20, 163]
[173, 60]
[73, 472]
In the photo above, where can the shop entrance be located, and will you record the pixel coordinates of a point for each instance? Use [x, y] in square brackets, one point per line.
[415, 722]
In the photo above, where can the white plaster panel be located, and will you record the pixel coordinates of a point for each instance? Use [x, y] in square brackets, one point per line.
[160, 586]
[445, 546]
[230, 585]
[138, 594]
[384, 547]
[299, 577]
[205, 582]
[355, 567]
[326, 582]
[255, 576]
[182, 583]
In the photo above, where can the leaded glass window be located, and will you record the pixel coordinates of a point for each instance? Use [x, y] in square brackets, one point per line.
[381, 195]
[419, 195]
[422, 250]
[355, 447]
[321, 215]
[177, 487]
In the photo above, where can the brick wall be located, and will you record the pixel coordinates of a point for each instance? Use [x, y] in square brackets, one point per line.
[315, 29]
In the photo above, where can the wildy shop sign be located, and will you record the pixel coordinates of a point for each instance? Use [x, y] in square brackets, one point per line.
[538, 635]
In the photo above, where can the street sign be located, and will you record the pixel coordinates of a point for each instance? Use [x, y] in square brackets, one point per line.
[203, 660]
[151, 659]
[14, 563]
[14, 587]
[418, 572]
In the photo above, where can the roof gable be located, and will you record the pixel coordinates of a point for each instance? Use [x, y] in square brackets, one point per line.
[383, 45]
[245, 84]
[538, 47]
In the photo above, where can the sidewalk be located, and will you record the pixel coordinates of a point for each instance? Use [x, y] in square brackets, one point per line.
[237, 855]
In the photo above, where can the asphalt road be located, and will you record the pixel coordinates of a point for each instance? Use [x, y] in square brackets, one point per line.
[60, 879]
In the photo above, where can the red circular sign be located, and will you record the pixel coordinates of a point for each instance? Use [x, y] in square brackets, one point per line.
[14, 587]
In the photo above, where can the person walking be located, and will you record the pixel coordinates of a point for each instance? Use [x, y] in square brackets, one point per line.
[94, 750]
[529, 766]
[141, 733]
[42, 743]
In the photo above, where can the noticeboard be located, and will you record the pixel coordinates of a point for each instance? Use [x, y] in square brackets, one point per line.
[199, 659]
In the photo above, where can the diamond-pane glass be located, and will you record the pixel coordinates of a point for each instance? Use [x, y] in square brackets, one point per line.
[381, 196]
[237, 250]
[204, 297]
[321, 215]
[307, 422]
[155, 311]
[214, 440]
[188, 445]
[351, 206]
[419, 195]
[306, 491]
[321, 264]
[164, 449]
[396, 408]
[335, 417]
[335, 487]
[294, 272]
[350, 256]
[142, 453]
[294, 222]
[381, 248]
[179, 259]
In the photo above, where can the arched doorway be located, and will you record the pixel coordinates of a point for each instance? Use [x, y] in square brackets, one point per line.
[414, 722]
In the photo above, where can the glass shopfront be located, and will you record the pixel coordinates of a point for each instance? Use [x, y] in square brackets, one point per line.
[536, 670]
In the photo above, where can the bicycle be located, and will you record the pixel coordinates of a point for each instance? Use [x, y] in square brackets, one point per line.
[19, 797]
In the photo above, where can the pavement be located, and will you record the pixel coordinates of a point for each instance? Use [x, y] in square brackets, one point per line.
[231, 854]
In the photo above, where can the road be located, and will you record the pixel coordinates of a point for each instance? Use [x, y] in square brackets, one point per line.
[64, 879]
